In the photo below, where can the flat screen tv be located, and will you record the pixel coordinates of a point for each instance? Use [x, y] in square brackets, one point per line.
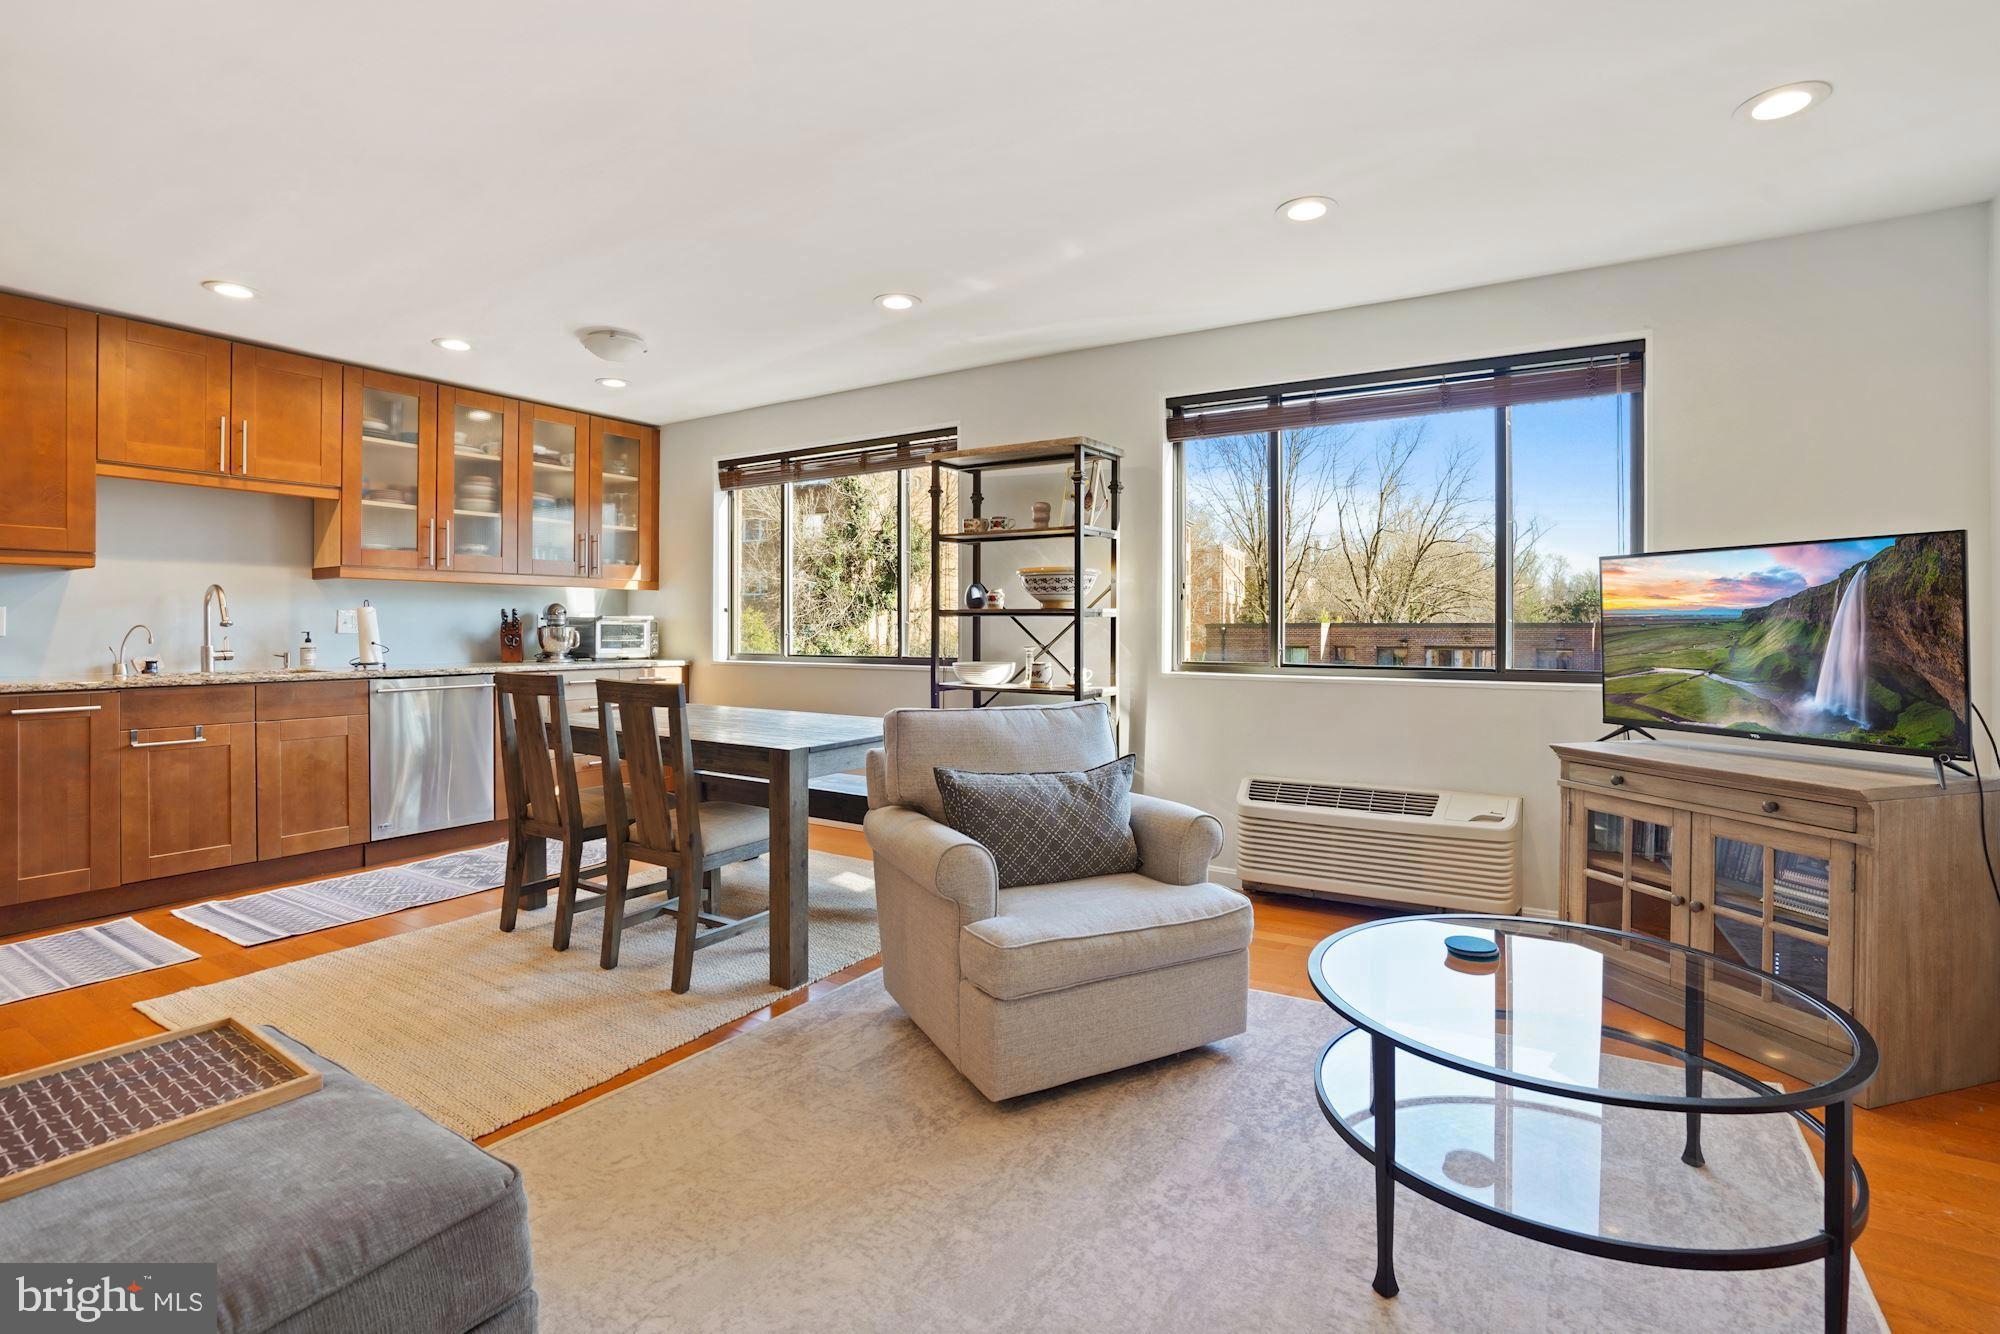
[1856, 642]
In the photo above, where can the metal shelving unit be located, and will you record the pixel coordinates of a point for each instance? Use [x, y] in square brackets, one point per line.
[1076, 454]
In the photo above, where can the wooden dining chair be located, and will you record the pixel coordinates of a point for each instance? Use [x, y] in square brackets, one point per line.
[656, 816]
[545, 798]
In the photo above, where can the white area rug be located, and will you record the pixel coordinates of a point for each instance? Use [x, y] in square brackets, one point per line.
[478, 1028]
[78, 958]
[830, 1171]
[256, 919]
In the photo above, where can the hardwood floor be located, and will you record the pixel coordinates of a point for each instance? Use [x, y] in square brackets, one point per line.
[1932, 1248]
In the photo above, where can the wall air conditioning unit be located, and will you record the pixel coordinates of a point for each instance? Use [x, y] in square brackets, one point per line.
[1430, 849]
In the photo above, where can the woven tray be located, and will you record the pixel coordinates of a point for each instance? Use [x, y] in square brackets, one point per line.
[64, 1119]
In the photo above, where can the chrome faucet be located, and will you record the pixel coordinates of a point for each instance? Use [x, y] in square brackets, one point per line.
[122, 666]
[210, 655]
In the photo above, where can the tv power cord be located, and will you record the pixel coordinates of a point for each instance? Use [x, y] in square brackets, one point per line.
[1979, 781]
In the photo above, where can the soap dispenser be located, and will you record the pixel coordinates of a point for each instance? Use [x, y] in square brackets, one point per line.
[308, 653]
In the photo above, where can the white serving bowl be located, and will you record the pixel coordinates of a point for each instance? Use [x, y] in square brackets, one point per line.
[1055, 585]
[983, 673]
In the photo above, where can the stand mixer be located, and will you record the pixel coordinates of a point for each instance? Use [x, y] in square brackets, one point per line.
[555, 635]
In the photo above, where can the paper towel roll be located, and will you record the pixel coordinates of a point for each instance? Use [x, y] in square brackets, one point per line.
[367, 630]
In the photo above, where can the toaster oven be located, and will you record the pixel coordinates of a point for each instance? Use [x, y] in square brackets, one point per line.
[613, 637]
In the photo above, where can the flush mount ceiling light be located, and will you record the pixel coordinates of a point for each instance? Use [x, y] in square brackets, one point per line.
[898, 301]
[453, 344]
[234, 291]
[1785, 100]
[612, 382]
[609, 344]
[1306, 208]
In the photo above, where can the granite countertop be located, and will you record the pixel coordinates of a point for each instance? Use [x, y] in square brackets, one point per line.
[20, 687]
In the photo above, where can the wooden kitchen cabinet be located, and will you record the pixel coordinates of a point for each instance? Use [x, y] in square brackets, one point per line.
[480, 512]
[388, 502]
[554, 491]
[58, 795]
[187, 780]
[178, 406]
[48, 422]
[623, 514]
[312, 766]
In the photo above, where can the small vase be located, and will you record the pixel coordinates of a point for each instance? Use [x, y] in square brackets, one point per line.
[975, 596]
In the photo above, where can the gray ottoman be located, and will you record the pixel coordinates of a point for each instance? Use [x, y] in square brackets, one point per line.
[341, 1211]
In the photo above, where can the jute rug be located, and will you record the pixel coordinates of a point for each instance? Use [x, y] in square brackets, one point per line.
[477, 1028]
[830, 1171]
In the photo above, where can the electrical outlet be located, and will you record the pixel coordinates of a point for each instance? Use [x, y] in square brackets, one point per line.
[344, 622]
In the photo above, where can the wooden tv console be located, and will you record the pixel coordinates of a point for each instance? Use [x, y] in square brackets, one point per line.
[1857, 877]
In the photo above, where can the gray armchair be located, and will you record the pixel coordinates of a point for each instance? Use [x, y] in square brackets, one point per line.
[1034, 986]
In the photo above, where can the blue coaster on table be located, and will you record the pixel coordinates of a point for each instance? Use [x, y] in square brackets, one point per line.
[1476, 948]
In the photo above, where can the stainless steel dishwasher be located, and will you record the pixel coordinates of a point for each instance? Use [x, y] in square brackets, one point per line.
[430, 753]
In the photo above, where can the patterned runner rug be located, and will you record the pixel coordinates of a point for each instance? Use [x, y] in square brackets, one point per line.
[88, 954]
[256, 919]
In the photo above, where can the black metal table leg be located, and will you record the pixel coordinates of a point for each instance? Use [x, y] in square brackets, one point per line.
[1693, 1029]
[1383, 1058]
[1839, 1217]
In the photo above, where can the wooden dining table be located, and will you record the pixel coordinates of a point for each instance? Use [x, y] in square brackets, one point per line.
[787, 749]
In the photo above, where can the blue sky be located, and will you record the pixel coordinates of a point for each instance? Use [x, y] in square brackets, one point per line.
[1729, 580]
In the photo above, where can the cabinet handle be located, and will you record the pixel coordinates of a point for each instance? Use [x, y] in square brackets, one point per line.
[222, 442]
[60, 708]
[432, 542]
[1697, 906]
[196, 739]
[593, 565]
[1770, 808]
[1679, 900]
[447, 544]
[243, 454]
[1618, 780]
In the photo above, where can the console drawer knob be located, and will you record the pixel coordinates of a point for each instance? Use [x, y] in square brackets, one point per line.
[1618, 780]
[1770, 808]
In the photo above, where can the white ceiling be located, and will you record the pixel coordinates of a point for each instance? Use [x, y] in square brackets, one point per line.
[738, 181]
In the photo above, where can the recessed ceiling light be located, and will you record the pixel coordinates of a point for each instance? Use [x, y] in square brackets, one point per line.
[453, 344]
[1787, 100]
[1306, 208]
[612, 382]
[234, 291]
[898, 301]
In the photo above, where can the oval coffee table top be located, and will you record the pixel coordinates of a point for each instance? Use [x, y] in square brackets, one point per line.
[1591, 1013]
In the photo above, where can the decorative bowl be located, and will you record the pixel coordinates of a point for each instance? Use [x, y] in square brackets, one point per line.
[983, 673]
[1055, 585]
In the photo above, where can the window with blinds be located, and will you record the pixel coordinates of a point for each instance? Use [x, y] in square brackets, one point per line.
[1439, 520]
[830, 549]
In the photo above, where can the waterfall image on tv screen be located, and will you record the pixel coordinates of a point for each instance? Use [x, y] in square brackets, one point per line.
[1858, 642]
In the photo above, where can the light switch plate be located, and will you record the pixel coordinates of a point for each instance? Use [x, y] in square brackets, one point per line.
[344, 622]
[3, 622]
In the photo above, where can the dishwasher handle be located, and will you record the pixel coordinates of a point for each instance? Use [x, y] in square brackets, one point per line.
[413, 689]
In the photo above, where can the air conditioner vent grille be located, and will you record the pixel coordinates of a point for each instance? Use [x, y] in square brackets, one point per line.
[1380, 801]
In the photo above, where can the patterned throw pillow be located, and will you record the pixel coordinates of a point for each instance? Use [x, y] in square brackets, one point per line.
[1044, 828]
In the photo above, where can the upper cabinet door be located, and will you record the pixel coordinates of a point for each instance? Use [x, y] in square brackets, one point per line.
[286, 425]
[624, 503]
[479, 482]
[48, 428]
[162, 397]
[554, 490]
[389, 472]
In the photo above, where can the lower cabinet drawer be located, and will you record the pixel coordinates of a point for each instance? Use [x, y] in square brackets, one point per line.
[1819, 814]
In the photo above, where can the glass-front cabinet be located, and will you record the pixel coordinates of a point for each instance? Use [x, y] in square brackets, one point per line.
[555, 474]
[479, 482]
[389, 471]
[1772, 898]
[624, 501]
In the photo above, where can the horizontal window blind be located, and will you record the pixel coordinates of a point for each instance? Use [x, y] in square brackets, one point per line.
[1334, 402]
[887, 454]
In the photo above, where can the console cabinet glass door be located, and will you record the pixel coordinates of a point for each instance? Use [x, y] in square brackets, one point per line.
[1779, 902]
[479, 482]
[390, 463]
[1632, 861]
[554, 459]
[624, 519]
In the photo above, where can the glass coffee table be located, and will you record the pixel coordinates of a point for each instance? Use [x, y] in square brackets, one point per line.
[1558, 1091]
